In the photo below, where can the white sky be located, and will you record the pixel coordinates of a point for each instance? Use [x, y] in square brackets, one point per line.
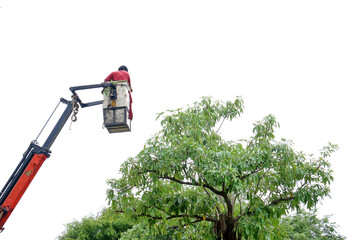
[298, 60]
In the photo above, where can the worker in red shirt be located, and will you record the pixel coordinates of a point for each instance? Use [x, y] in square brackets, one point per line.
[122, 74]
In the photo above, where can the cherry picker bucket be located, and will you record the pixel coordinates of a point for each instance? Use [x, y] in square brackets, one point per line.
[116, 107]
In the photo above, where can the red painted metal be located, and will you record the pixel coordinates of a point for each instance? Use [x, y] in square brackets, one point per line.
[16, 186]
[20, 187]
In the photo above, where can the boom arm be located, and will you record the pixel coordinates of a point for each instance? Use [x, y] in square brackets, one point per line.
[35, 156]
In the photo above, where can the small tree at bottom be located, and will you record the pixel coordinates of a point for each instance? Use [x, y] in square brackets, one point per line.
[307, 225]
[105, 226]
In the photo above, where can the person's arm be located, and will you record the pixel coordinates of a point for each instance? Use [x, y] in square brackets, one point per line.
[109, 78]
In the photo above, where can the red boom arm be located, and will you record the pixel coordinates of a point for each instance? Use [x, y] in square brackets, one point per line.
[20, 187]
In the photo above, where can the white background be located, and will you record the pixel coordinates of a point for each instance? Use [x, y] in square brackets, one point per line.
[298, 60]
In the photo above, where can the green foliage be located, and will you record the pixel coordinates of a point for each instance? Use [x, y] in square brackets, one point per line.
[306, 225]
[189, 179]
[105, 226]
[109, 225]
[141, 231]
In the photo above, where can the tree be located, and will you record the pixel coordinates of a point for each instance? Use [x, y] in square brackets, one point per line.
[104, 226]
[108, 225]
[306, 225]
[189, 179]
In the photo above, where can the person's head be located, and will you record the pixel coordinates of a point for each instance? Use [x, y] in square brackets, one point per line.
[123, 68]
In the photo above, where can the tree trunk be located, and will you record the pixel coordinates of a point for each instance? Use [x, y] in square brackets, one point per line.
[217, 230]
[230, 234]
[227, 228]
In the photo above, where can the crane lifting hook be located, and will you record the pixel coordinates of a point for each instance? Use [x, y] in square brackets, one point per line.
[75, 108]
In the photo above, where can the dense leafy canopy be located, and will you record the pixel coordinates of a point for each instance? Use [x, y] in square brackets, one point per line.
[189, 179]
[104, 226]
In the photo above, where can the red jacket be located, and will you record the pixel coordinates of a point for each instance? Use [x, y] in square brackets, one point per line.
[119, 75]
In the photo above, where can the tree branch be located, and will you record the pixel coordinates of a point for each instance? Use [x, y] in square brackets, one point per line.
[176, 227]
[147, 171]
[217, 206]
[206, 185]
[199, 218]
[211, 188]
[277, 201]
[222, 194]
[179, 181]
[252, 172]
[221, 124]
[186, 173]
